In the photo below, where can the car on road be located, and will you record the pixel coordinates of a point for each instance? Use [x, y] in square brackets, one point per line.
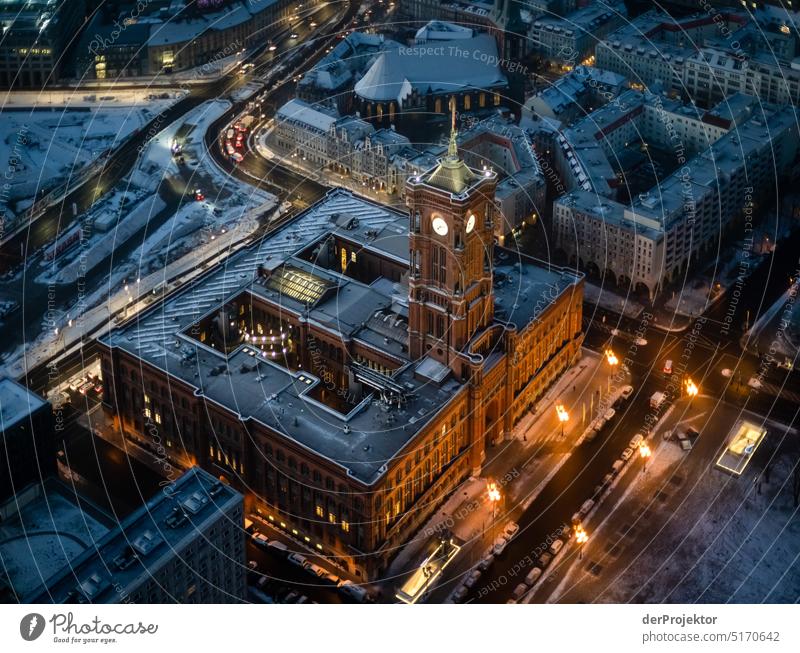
[533, 575]
[499, 545]
[297, 559]
[519, 591]
[626, 455]
[353, 591]
[279, 547]
[331, 578]
[616, 468]
[636, 440]
[609, 414]
[544, 560]
[556, 546]
[627, 391]
[511, 529]
[472, 578]
[667, 366]
[260, 539]
[293, 35]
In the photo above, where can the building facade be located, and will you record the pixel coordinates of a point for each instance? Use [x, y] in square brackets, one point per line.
[185, 545]
[727, 158]
[357, 365]
[144, 39]
[36, 35]
[27, 441]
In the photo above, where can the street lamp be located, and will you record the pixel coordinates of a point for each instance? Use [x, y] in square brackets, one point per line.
[563, 416]
[645, 453]
[611, 357]
[691, 388]
[494, 496]
[581, 536]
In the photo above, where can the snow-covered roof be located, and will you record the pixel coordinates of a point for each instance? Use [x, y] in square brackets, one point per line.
[439, 68]
[16, 403]
[439, 30]
[297, 111]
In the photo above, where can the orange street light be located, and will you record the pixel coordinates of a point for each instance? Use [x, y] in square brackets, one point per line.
[691, 388]
[611, 357]
[563, 416]
[493, 492]
[581, 537]
[645, 453]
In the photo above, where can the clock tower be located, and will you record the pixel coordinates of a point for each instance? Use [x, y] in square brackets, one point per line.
[451, 253]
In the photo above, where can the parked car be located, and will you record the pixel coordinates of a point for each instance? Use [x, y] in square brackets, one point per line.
[500, 545]
[626, 455]
[291, 597]
[627, 391]
[609, 414]
[278, 547]
[636, 440]
[485, 563]
[533, 575]
[318, 571]
[616, 468]
[460, 594]
[355, 592]
[331, 578]
[472, 578]
[260, 539]
[544, 560]
[586, 508]
[511, 529]
[556, 546]
[297, 559]
[519, 591]
[668, 366]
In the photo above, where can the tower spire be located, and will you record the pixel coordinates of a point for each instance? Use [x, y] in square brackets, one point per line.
[452, 148]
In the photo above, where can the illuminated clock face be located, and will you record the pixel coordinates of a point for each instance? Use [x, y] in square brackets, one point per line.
[439, 225]
[470, 222]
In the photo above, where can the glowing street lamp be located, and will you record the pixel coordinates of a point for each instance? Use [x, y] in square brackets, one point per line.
[563, 416]
[494, 496]
[581, 537]
[644, 453]
[691, 388]
[611, 357]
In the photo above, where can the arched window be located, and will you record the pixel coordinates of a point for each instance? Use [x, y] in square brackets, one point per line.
[467, 102]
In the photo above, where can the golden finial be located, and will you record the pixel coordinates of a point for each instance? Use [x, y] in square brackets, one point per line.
[452, 148]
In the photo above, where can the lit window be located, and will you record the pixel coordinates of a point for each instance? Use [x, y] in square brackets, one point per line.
[331, 518]
[346, 526]
[146, 398]
[158, 418]
[320, 511]
[352, 257]
[147, 413]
